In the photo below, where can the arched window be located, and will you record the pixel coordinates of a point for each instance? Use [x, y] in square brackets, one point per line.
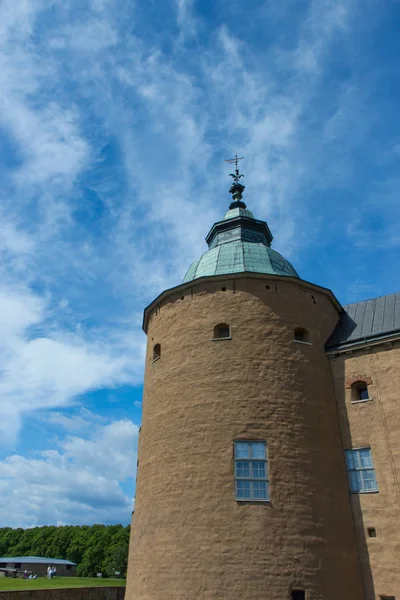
[301, 335]
[360, 391]
[222, 332]
[157, 352]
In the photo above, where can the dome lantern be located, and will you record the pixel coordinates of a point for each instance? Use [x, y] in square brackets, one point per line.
[239, 243]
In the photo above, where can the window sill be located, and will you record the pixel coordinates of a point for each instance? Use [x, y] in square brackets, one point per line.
[252, 501]
[155, 359]
[221, 339]
[301, 342]
[361, 401]
[366, 492]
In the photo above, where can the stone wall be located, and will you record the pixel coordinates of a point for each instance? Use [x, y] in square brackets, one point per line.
[374, 423]
[190, 538]
[93, 593]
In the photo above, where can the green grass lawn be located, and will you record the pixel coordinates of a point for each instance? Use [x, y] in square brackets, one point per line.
[41, 583]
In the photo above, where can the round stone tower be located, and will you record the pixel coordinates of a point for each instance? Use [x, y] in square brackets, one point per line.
[241, 488]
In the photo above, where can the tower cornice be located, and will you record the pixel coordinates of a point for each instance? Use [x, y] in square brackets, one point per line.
[189, 286]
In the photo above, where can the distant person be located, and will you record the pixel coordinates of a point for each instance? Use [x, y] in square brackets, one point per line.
[25, 575]
[49, 572]
[54, 571]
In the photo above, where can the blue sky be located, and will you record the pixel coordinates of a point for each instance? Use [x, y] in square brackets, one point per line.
[115, 120]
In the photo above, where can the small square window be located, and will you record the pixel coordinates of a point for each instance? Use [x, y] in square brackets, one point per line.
[222, 331]
[387, 598]
[371, 532]
[301, 335]
[298, 595]
[359, 392]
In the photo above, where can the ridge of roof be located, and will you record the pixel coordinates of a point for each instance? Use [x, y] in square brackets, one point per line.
[36, 559]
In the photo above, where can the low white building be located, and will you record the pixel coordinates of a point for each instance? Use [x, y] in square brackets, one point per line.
[37, 565]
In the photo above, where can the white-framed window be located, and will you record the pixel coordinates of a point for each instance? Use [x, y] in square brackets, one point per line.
[251, 470]
[360, 470]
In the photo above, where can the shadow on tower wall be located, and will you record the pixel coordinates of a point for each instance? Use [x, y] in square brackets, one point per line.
[354, 499]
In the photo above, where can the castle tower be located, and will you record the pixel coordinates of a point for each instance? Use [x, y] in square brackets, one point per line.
[242, 491]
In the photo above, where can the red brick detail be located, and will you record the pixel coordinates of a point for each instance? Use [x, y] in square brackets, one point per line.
[356, 378]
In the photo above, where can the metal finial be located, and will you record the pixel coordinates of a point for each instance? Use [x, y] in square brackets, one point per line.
[237, 188]
[235, 161]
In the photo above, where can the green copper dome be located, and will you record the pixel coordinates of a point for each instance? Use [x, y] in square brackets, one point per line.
[239, 257]
[239, 243]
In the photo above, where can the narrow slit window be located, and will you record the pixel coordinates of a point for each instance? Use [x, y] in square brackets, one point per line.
[361, 471]
[157, 351]
[222, 332]
[251, 472]
[371, 532]
[301, 335]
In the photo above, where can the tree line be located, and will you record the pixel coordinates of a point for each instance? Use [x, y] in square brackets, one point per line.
[95, 549]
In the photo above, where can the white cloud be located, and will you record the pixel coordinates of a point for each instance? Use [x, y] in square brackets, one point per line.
[114, 132]
[75, 423]
[76, 484]
[47, 372]
[151, 228]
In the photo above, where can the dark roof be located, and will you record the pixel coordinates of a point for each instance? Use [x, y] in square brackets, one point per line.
[35, 560]
[367, 321]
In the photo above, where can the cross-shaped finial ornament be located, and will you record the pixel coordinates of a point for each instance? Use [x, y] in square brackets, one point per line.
[235, 161]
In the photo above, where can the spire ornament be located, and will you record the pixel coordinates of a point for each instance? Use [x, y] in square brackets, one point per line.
[236, 188]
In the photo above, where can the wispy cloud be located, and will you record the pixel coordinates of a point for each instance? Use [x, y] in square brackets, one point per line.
[115, 120]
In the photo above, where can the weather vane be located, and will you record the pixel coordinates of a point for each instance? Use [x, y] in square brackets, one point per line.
[235, 161]
[237, 188]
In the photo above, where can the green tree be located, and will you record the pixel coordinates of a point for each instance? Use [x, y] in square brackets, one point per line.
[96, 548]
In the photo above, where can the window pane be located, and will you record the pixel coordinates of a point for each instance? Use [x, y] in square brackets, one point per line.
[257, 449]
[350, 459]
[356, 459]
[369, 480]
[241, 450]
[243, 489]
[353, 481]
[258, 469]
[242, 469]
[223, 332]
[365, 457]
[260, 490]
